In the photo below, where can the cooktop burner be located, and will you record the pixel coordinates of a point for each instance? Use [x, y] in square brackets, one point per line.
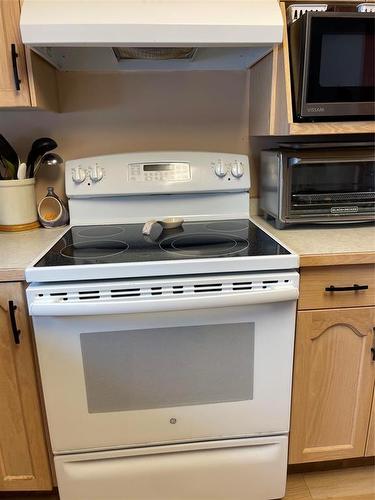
[94, 249]
[83, 245]
[222, 226]
[204, 245]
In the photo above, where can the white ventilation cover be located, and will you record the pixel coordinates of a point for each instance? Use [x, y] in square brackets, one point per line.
[294, 12]
[366, 7]
[158, 290]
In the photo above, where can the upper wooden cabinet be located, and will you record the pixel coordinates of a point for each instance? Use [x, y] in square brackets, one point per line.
[25, 78]
[23, 451]
[271, 107]
[333, 384]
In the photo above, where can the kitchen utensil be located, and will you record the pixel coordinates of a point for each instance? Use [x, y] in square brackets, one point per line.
[8, 152]
[48, 159]
[168, 223]
[21, 174]
[38, 148]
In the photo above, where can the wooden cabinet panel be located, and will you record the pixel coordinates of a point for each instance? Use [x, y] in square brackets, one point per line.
[370, 445]
[10, 34]
[314, 281]
[333, 382]
[24, 462]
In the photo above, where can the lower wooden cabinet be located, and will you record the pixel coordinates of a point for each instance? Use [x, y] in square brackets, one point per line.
[370, 445]
[24, 462]
[333, 384]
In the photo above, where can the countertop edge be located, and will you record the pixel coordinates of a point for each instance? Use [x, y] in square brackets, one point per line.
[337, 259]
[12, 274]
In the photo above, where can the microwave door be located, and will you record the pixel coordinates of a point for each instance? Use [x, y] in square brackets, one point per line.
[338, 66]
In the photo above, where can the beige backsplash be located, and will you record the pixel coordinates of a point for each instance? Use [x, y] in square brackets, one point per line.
[112, 113]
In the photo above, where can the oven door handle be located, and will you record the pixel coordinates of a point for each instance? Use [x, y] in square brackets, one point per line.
[55, 306]
[294, 161]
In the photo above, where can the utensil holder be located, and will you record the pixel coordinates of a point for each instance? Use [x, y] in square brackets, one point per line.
[18, 205]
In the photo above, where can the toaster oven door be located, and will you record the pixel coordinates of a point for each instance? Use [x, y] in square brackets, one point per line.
[330, 189]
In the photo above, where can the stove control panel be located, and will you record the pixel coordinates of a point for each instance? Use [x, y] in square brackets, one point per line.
[159, 172]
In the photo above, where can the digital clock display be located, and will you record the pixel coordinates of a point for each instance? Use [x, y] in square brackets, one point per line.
[159, 167]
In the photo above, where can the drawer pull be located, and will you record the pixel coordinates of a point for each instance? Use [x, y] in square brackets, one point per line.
[353, 288]
[373, 345]
[16, 332]
[17, 81]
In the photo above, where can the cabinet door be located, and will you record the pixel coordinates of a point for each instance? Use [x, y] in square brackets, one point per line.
[24, 463]
[10, 34]
[370, 446]
[332, 384]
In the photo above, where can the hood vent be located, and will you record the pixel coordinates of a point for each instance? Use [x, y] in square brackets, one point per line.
[153, 34]
[158, 54]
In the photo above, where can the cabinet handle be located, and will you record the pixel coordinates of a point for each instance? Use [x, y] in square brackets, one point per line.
[353, 288]
[17, 81]
[12, 316]
[373, 345]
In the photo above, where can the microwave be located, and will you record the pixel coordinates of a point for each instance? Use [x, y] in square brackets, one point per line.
[307, 183]
[332, 61]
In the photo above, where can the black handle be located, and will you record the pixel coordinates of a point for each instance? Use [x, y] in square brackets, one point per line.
[15, 330]
[354, 288]
[17, 81]
[373, 348]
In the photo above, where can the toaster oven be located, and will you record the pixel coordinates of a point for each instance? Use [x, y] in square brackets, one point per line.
[306, 183]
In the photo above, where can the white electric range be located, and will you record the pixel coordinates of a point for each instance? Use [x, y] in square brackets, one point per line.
[166, 359]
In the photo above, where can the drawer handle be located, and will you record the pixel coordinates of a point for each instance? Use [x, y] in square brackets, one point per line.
[16, 332]
[373, 345]
[17, 80]
[353, 288]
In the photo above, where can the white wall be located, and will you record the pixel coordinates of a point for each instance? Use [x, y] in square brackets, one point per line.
[119, 112]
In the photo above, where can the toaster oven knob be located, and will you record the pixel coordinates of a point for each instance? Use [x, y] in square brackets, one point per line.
[220, 169]
[78, 175]
[237, 169]
[96, 174]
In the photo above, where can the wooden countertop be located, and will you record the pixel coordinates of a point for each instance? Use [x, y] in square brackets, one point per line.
[18, 250]
[326, 245]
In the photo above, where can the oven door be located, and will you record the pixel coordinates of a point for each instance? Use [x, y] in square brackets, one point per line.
[136, 370]
[329, 187]
[336, 65]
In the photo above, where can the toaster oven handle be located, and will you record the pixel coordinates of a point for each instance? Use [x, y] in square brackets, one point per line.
[353, 288]
[294, 161]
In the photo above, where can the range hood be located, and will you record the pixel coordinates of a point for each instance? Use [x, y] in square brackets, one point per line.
[151, 34]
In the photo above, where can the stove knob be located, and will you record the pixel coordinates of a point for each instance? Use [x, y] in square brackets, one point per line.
[237, 169]
[220, 169]
[78, 175]
[96, 174]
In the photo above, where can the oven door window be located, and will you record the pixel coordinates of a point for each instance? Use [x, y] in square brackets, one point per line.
[168, 367]
[341, 60]
[325, 187]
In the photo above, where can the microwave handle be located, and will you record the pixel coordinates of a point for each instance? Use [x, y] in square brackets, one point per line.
[292, 162]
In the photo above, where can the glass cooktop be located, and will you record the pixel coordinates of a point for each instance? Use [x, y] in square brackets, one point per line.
[82, 245]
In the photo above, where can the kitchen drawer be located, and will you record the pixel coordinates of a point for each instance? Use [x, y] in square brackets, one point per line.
[315, 280]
